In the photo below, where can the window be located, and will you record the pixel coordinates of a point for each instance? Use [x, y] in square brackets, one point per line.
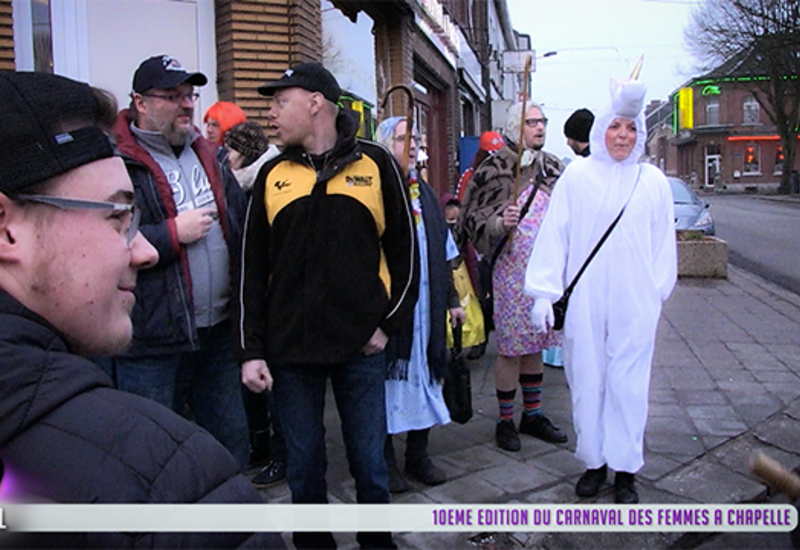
[42, 36]
[751, 110]
[779, 160]
[751, 161]
[712, 111]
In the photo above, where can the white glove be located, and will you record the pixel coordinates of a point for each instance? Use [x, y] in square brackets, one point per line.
[542, 315]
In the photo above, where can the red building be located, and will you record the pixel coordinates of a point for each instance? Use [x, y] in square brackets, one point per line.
[721, 135]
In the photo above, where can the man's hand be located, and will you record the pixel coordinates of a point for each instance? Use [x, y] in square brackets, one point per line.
[195, 224]
[542, 315]
[457, 316]
[377, 343]
[511, 217]
[256, 375]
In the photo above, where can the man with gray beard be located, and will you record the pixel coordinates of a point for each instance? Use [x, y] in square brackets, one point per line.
[192, 212]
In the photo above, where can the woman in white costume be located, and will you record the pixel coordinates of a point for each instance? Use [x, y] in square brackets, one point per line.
[610, 327]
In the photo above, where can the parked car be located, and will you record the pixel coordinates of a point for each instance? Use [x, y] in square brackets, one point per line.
[691, 212]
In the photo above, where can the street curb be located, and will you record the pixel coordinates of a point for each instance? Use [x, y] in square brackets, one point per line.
[772, 288]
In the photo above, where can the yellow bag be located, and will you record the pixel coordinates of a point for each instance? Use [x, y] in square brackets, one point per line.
[473, 330]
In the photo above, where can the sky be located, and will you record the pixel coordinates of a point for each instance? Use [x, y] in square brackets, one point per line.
[597, 40]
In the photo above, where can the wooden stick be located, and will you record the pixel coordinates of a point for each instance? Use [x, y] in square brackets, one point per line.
[774, 474]
[521, 142]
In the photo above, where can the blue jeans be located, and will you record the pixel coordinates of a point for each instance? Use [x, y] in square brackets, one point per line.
[358, 387]
[208, 380]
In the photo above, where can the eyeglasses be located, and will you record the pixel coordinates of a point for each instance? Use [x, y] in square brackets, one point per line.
[533, 122]
[175, 97]
[118, 210]
[402, 138]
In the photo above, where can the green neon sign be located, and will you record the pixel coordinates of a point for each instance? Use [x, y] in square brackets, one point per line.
[710, 90]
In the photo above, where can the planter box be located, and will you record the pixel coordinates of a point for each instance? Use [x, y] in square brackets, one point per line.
[705, 257]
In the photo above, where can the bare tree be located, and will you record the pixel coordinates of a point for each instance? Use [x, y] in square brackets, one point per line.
[761, 37]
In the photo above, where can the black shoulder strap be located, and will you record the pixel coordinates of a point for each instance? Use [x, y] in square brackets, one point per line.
[611, 227]
[522, 213]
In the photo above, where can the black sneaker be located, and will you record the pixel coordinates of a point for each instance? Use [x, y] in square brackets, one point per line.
[506, 435]
[273, 472]
[539, 426]
[425, 471]
[397, 483]
[590, 482]
[624, 489]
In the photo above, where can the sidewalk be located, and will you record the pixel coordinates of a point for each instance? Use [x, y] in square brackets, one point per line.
[726, 381]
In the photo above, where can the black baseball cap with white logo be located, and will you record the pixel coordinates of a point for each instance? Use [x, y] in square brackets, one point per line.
[50, 126]
[309, 76]
[163, 72]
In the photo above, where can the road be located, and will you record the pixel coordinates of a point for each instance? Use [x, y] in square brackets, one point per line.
[763, 236]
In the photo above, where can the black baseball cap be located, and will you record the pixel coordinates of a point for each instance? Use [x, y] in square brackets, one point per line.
[49, 128]
[309, 76]
[163, 72]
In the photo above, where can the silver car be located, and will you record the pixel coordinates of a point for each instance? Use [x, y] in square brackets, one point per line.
[691, 212]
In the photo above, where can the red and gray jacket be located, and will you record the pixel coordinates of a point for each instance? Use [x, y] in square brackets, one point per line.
[163, 317]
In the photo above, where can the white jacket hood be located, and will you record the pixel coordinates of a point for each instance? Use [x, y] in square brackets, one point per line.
[627, 101]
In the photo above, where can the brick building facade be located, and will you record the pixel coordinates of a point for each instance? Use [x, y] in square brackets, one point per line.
[441, 49]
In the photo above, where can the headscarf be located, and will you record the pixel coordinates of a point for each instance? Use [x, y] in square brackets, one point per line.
[627, 101]
[513, 119]
[385, 132]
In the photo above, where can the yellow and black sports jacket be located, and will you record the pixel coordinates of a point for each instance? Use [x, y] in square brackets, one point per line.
[328, 256]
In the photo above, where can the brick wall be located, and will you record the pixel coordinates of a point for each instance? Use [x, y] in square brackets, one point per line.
[6, 36]
[259, 39]
[451, 107]
[394, 59]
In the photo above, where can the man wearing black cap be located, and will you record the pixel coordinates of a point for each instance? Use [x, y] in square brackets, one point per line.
[70, 251]
[576, 129]
[329, 272]
[192, 212]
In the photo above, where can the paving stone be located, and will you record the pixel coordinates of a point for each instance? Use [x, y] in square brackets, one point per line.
[701, 397]
[780, 432]
[710, 411]
[671, 425]
[657, 466]
[668, 410]
[521, 478]
[676, 444]
[707, 482]
[560, 463]
[480, 457]
[793, 410]
[712, 441]
[466, 489]
[563, 493]
[725, 426]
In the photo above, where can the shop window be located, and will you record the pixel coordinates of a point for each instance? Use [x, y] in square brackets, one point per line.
[751, 110]
[779, 160]
[751, 160]
[712, 111]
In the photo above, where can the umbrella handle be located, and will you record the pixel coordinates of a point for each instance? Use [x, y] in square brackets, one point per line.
[409, 118]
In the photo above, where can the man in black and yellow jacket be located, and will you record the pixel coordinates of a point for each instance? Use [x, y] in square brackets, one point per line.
[329, 271]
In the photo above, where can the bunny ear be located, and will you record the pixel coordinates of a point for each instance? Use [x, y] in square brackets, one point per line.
[637, 69]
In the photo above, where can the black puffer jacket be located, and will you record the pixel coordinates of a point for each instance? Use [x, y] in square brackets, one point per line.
[66, 436]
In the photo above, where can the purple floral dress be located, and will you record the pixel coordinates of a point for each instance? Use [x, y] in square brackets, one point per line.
[512, 307]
